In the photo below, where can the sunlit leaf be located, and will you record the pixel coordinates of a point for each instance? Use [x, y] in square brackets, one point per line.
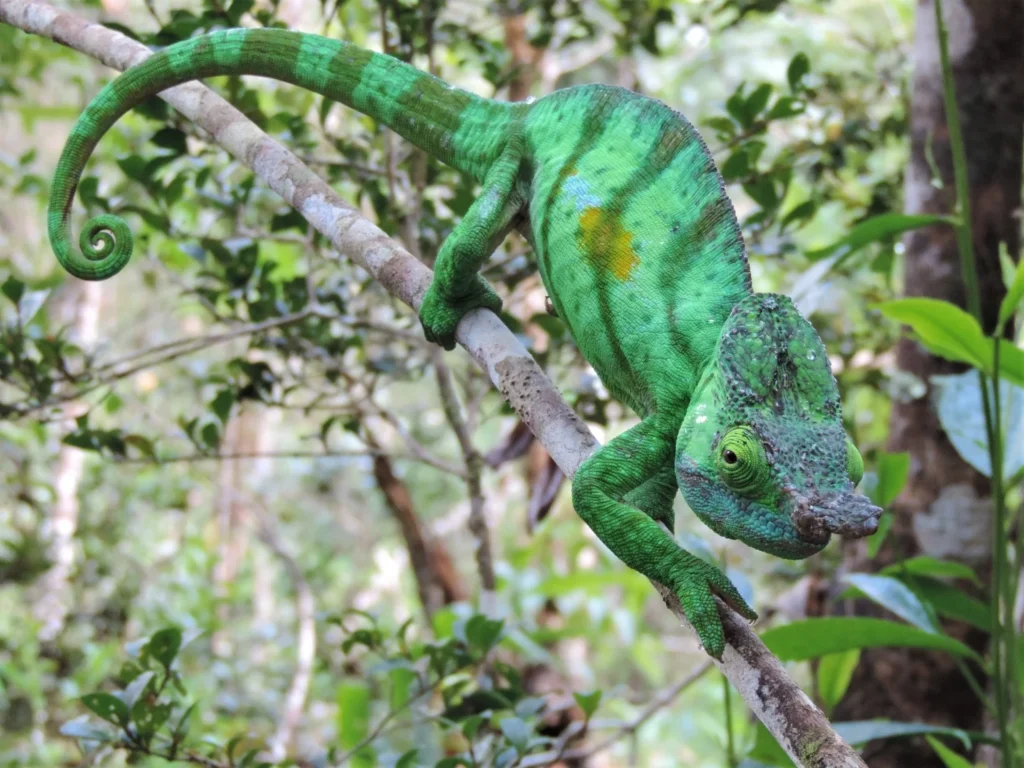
[892, 470]
[949, 332]
[923, 565]
[164, 645]
[953, 603]
[798, 68]
[835, 671]
[354, 720]
[1014, 294]
[517, 732]
[949, 758]
[873, 230]
[108, 707]
[588, 702]
[893, 595]
[811, 638]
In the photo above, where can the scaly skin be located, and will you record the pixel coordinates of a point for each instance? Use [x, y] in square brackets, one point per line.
[640, 251]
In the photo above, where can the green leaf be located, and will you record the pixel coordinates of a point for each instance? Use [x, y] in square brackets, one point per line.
[401, 681]
[588, 702]
[893, 595]
[766, 750]
[148, 717]
[724, 126]
[408, 759]
[108, 707]
[136, 687]
[944, 328]
[798, 68]
[1013, 295]
[953, 603]
[471, 725]
[762, 191]
[877, 539]
[221, 405]
[923, 565]
[482, 633]
[958, 404]
[881, 227]
[170, 138]
[757, 101]
[353, 713]
[892, 472]
[81, 728]
[13, 289]
[949, 758]
[812, 638]
[862, 731]
[142, 444]
[949, 332]
[786, 106]
[517, 732]
[163, 645]
[801, 212]
[835, 671]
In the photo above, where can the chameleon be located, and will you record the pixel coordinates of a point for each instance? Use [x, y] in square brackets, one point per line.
[640, 251]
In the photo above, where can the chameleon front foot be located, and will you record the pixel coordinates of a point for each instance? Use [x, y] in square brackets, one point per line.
[696, 583]
[440, 314]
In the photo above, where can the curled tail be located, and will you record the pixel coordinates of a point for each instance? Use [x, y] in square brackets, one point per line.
[460, 129]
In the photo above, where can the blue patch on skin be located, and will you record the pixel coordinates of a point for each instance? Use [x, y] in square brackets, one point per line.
[580, 190]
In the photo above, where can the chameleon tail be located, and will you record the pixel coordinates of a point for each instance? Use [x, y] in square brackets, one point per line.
[460, 129]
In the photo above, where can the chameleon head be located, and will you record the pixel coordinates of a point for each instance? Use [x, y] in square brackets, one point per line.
[762, 455]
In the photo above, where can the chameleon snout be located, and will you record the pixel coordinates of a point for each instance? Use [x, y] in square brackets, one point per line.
[848, 514]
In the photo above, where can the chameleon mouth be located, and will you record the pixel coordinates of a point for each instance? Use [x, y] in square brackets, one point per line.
[850, 515]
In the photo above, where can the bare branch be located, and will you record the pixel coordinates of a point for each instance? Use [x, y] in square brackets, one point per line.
[474, 466]
[799, 726]
[628, 729]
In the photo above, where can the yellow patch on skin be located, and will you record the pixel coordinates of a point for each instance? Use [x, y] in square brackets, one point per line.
[606, 243]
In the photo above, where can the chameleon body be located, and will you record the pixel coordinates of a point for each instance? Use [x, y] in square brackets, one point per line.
[640, 251]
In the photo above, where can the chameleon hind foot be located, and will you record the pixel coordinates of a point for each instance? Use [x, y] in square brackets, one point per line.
[440, 314]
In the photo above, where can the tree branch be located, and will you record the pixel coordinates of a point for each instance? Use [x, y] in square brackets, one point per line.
[799, 726]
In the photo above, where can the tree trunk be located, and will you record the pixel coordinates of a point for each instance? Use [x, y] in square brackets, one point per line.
[945, 509]
[54, 602]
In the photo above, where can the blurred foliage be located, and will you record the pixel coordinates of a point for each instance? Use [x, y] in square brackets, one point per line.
[234, 305]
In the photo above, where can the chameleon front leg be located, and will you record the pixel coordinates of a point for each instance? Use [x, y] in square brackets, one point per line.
[457, 287]
[623, 465]
[655, 496]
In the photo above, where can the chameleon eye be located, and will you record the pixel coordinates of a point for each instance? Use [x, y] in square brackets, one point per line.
[742, 462]
[854, 463]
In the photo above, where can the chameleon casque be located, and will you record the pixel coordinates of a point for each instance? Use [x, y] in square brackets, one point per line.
[640, 251]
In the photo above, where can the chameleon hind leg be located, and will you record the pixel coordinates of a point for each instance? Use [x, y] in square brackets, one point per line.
[626, 464]
[458, 287]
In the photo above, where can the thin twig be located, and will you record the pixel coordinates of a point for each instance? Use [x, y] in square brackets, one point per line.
[474, 468]
[627, 729]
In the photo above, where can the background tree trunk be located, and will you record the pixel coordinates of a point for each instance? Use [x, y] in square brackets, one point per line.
[945, 509]
[51, 609]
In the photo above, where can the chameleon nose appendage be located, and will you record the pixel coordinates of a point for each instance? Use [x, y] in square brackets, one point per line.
[848, 514]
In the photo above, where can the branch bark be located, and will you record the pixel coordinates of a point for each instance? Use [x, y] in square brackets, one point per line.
[799, 726]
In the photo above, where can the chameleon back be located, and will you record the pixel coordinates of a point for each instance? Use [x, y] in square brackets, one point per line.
[636, 241]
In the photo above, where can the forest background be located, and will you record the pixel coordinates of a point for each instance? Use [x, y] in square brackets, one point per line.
[249, 515]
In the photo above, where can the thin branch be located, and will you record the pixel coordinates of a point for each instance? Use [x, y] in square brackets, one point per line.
[796, 723]
[305, 641]
[474, 466]
[627, 729]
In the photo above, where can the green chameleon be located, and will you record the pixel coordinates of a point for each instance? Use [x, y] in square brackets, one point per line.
[640, 251]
